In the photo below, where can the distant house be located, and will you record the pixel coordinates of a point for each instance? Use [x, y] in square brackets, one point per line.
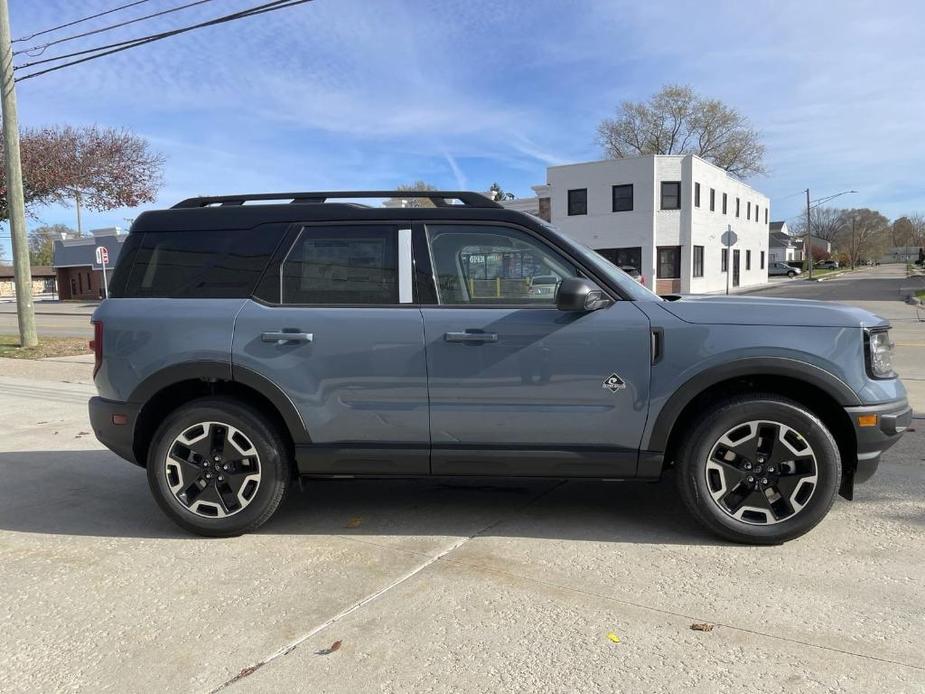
[785, 246]
[901, 254]
[79, 275]
[43, 280]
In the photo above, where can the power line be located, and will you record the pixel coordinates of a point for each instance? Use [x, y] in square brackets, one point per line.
[78, 21]
[41, 49]
[119, 46]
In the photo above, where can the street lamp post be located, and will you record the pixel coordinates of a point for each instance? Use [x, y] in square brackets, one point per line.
[808, 242]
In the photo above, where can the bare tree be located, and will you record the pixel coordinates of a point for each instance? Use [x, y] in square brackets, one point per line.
[864, 234]
[108, 168]
[676, 120]
[826, 222]
[421, 186]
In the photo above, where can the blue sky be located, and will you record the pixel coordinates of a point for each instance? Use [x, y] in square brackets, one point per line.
[341, 94]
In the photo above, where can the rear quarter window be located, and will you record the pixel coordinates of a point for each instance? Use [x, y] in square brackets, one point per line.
[216, 264]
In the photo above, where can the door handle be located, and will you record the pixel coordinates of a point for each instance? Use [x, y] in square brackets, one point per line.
[475, 338]
[282, 336]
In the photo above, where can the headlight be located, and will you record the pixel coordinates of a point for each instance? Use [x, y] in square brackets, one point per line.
[879, 355]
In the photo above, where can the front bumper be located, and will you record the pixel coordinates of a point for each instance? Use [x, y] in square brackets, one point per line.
[883, 425]
[116, 437]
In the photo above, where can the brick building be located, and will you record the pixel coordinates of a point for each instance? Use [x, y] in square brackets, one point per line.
[79, 275]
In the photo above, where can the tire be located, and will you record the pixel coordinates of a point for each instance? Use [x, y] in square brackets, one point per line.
[758, 469]
[251, 463]
[791, 275]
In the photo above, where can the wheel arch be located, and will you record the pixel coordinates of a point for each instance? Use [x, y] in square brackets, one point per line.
[818, 390]
[172, 387]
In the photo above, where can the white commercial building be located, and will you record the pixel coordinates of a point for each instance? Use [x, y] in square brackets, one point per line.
[662, 214]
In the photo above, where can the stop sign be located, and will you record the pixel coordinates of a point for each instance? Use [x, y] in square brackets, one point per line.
[102, 255]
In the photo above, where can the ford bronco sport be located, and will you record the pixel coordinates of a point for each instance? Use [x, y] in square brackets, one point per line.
[246, 345]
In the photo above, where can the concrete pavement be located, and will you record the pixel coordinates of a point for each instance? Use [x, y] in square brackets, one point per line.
[434, 585]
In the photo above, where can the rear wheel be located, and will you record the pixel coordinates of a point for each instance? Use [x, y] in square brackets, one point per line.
[759, 469]
[216, 467]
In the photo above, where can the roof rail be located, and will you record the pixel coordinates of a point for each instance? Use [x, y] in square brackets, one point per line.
[439, 198]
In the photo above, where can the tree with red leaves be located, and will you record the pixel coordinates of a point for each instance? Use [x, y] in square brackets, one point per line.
[106, 167]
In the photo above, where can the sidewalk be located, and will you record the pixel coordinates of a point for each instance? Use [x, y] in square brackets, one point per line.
[53, 307]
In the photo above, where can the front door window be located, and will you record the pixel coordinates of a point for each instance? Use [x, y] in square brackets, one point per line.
[488, 265]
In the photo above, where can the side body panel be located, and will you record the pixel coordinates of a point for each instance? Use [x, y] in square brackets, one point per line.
[830, 357]
[361, 380]
[142, 337]
[539, 386]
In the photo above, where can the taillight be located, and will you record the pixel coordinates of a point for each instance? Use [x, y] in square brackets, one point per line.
[96, 344]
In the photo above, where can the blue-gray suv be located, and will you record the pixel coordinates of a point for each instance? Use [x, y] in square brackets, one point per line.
[246, 346]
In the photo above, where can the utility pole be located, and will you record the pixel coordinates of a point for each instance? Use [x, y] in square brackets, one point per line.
[80, 229]
[854, 248]
[14, 191]
[809, 237]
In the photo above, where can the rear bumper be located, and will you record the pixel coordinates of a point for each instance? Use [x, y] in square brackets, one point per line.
[116, 437]
[892, 419]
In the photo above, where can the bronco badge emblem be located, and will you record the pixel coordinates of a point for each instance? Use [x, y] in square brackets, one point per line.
[613, 383]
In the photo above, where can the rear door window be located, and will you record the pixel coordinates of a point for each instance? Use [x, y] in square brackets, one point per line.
[343, 264]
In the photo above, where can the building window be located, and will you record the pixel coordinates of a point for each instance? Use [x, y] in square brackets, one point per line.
[623, 198]
[712, 199]
[738, 207]
[724, 263]
[762, 257]
[628, 257]
[748, 211]
[748, 260]
[698, 261]
[765, 215]
[725, 200]
[671, 195]
[757, 216]
[669, 263]
[696, 195]
[578, 201]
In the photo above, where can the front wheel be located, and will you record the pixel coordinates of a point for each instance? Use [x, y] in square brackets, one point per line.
[759, 469]
[217, 467]
[791, 275]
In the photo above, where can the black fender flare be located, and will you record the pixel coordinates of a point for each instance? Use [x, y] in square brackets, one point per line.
[207, 370]
[816, 376]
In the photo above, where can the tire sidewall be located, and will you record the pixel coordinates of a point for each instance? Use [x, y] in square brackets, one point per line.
[274, 474]
[713, 426]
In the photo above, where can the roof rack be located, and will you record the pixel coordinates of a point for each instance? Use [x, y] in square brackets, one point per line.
[440, 198]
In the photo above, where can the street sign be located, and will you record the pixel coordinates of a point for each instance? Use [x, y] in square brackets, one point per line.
[729, 238]
[102, 259]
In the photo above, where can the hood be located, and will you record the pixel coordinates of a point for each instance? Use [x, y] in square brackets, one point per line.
[746, 310]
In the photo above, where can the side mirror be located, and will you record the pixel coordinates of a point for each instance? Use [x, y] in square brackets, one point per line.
[579, 294]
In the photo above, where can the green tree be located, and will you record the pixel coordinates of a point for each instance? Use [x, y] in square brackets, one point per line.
[497, 193]
[42, 242]
[676, 120]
